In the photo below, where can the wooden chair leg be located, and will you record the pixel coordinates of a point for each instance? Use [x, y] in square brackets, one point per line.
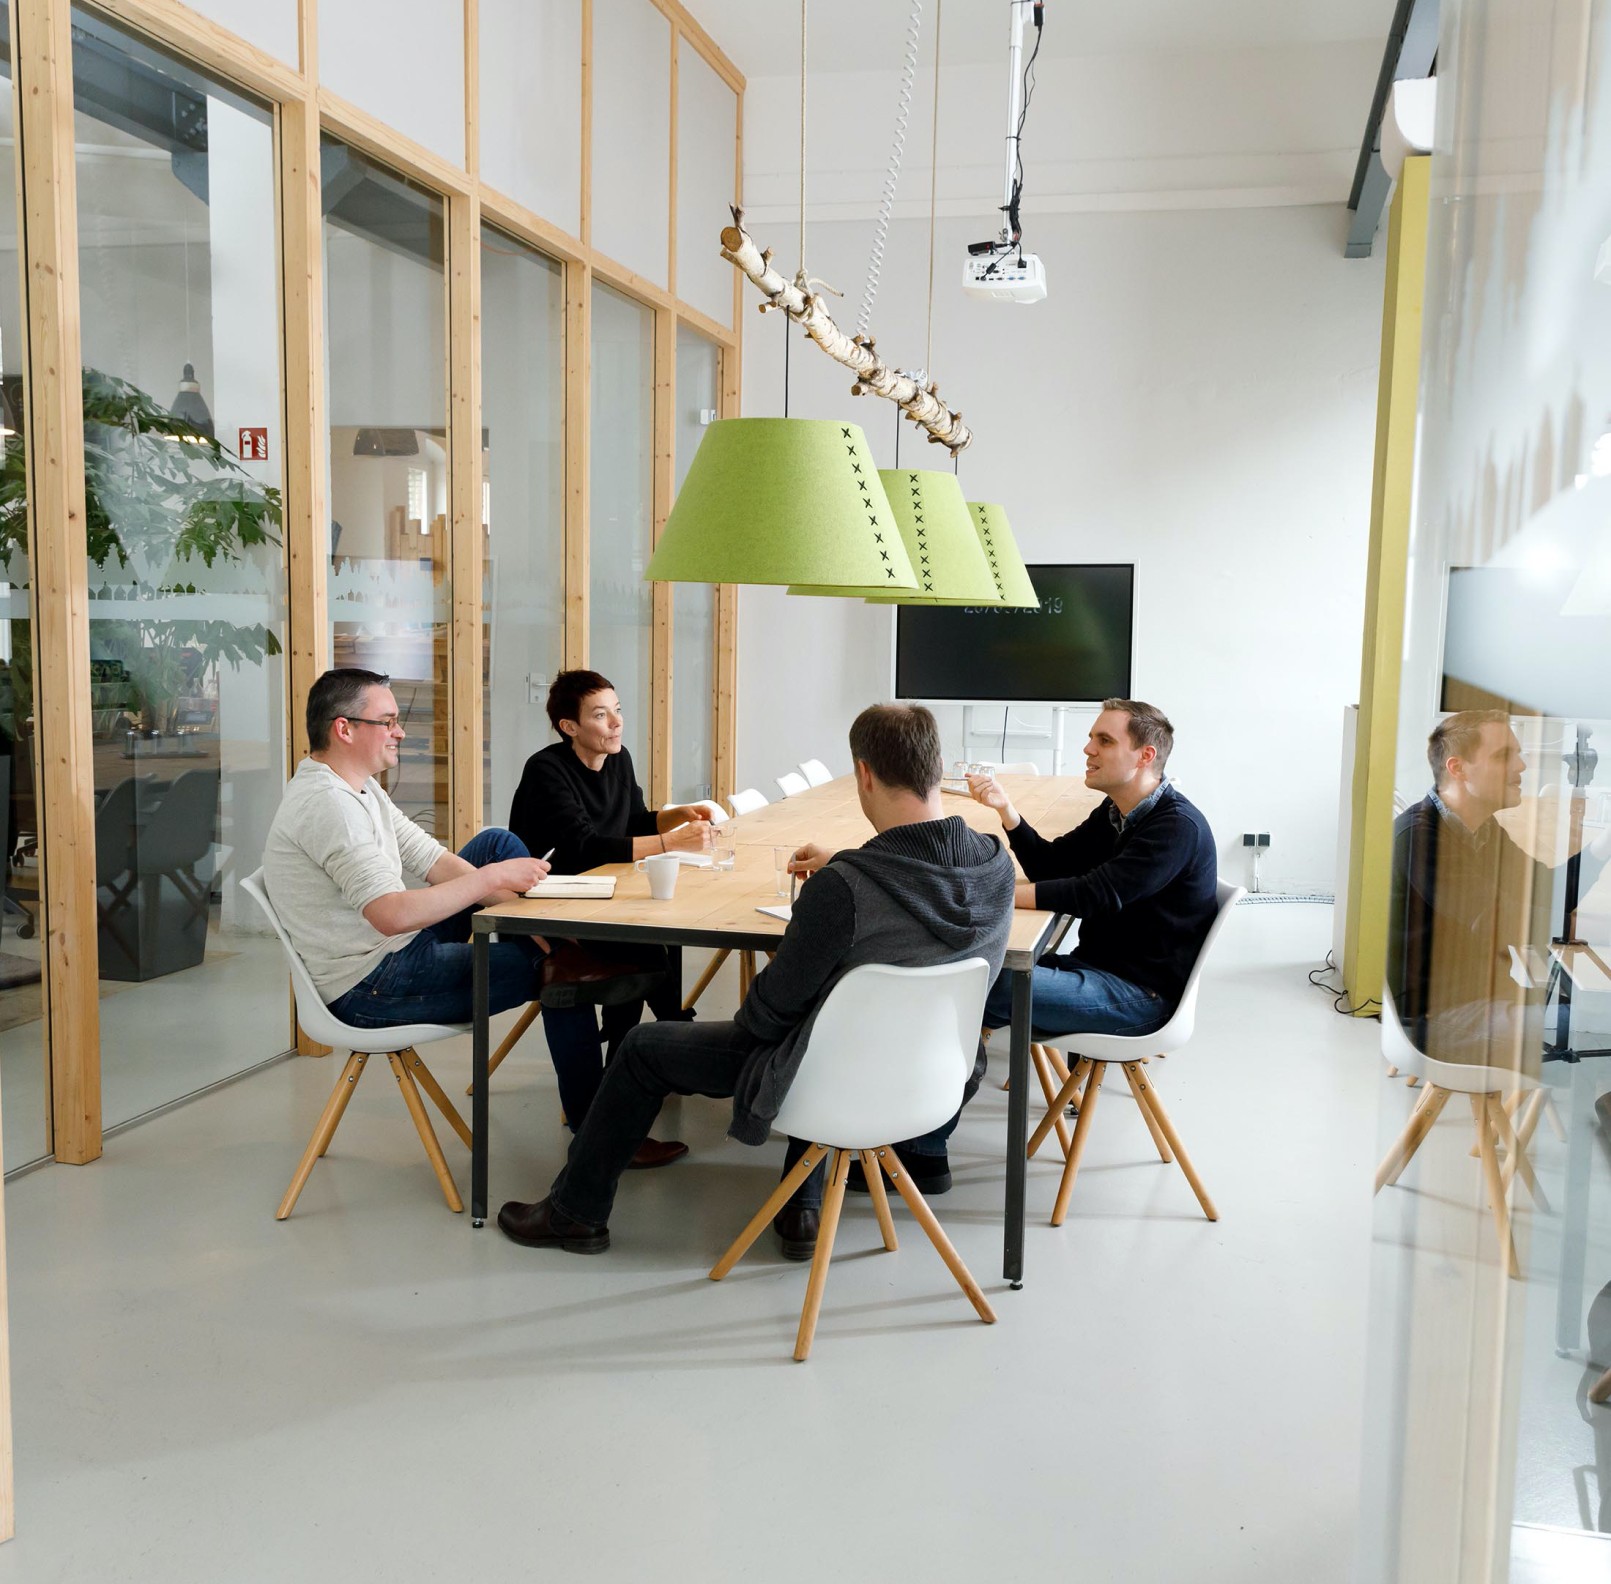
[1600, 1391]
[1482, 1110]
[426, 1079]
[1043, 1068]
[1065, 1189]
[705, 978]
[511, 1039]
[919, 1206]
[875, 1192]
[746, 972]
[324, 1130]
[1064, 1095]
[762, 1217]
[433, 1150]
[1556, 1126]
[1516, 1162]
[1532, 1112]
[832, 1203]
[1426, 1112]
[1164, 1153]
[1149, 1097]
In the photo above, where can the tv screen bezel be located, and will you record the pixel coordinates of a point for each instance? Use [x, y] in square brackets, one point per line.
[1056, 703]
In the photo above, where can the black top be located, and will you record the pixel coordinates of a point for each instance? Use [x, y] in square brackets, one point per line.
[1461, 898]
[588, 817]
[1144, 893]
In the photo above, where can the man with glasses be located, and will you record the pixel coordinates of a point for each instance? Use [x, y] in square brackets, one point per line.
[378, 953]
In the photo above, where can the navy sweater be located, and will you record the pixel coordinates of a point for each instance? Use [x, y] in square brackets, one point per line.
[1144, 896]
[588, 817]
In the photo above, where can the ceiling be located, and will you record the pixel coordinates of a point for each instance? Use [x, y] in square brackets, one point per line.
[763, 39]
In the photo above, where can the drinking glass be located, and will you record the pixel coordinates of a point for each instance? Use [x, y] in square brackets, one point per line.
[780, 864]
[723, 857]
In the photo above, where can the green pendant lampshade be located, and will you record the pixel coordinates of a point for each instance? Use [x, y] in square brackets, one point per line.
[1001, 551]
[939, 537]
[782, 500]
[1014, 591]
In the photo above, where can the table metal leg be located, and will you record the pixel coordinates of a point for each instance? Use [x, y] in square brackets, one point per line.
[1581, 1126]
[480, 972]
[1017, 1125]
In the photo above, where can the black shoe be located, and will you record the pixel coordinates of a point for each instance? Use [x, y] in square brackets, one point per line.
[796, 1228]
[540, 1225]
[930, 1174]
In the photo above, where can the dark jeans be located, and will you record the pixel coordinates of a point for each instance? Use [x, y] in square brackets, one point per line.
[1076, 999]
[660, 1059]
[574, 1036]
[655, 1060]
[428, 980]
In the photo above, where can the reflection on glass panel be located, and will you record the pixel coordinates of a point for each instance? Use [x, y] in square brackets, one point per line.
[523, 503]
[24, 1069]
[186, 584]
[1491, 1297]
[693, 620]
[621, 492]
[386, 379]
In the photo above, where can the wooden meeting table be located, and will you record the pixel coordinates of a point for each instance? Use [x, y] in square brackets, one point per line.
[717, 908]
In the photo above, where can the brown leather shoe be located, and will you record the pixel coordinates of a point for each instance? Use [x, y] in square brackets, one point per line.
[797, 1230]
[656, 1152]
[540, 1225]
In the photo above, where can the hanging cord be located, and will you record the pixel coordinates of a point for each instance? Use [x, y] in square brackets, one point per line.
[897, 439]
[892, 176]
[802, 135]
[934, 184]
[785, 365]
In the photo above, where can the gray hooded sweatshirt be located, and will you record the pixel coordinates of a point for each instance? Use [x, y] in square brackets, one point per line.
[913, 896]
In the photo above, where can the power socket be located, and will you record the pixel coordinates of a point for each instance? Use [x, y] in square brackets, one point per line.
[1256, 839]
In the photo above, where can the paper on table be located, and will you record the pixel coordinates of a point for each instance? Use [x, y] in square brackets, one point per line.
[782, 911]
[693, 860]
[592, 887]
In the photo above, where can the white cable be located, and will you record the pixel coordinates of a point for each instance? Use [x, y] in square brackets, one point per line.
[892, 176]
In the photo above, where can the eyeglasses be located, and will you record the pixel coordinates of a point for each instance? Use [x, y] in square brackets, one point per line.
[388, 721]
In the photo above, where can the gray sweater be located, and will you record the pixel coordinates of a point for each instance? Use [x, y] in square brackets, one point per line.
[913, 896]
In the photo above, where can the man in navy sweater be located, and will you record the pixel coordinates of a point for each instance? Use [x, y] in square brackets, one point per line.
[1139, 874]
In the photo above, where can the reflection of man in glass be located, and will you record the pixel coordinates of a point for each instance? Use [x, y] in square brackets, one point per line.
[1464, 893]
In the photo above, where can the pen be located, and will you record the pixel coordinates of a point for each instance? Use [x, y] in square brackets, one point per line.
[547, 855]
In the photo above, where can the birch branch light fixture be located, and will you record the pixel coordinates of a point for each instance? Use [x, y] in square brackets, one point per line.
[919, 402]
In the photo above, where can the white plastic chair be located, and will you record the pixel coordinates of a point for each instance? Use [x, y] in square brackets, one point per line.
[1131, 1051]
[747, 801]
[923, 1023]
[791, 784]
[816, 773]
[1019, 767]
[1487, 1089]
[399, 1045]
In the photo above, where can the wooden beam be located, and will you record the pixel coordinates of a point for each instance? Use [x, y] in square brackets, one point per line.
[711, 329]
[1370, 851]
[55, 401]
[370, 135]
[578, 389]
[586, 219]
[661, 594]
[472, 88]
[500, 210]
[466, 534]
[703, 42]
[671, 170]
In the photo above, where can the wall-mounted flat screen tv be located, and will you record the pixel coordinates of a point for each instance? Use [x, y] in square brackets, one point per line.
[1074, 648]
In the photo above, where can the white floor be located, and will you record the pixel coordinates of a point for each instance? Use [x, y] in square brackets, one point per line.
[372, 1390]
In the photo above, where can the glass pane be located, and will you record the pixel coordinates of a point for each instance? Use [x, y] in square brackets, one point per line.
[621, 490]
[269, 24]
[693, 619]
[386, 379]
[24, 1064]
[707, 120]
[523, 504]
[631, 206]
[182, 399]
[1491, 1310]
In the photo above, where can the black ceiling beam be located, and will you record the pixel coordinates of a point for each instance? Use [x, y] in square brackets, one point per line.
[1412, 51]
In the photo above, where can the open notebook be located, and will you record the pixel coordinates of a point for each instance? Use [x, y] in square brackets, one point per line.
[575, 887]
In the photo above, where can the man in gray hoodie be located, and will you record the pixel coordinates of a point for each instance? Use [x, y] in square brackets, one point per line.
[926, 889]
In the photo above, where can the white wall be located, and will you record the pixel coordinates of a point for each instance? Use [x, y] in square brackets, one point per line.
[1197, 394]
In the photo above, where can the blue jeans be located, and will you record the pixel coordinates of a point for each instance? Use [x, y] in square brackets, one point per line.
[429, 980]
[1077, 999]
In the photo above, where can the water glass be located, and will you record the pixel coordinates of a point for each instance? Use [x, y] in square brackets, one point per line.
[723, 857]
[780, 864]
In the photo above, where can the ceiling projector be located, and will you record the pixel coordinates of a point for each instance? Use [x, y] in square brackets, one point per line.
[1015, 277]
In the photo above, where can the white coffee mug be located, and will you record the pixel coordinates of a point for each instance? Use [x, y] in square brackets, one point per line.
[662, 872]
